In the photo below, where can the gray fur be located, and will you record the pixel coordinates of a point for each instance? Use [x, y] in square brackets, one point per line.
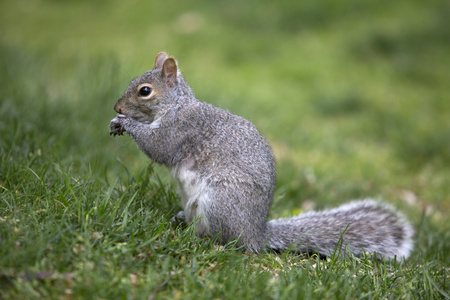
[226, 173]
[364, 226]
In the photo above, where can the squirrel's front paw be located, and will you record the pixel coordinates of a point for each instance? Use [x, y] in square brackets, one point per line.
[116, 126]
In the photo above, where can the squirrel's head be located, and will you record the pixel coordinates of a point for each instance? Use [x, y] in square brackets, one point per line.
[154, 92]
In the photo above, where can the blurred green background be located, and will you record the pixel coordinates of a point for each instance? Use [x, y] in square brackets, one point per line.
[352, 95]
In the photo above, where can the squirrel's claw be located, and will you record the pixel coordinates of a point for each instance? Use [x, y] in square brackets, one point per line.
[115, 133]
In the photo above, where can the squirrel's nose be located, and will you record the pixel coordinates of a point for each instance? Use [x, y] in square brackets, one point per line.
[117, 108]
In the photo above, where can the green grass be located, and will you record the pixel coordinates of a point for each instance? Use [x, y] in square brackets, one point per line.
[353, 98]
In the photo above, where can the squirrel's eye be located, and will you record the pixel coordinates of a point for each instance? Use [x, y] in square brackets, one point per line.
[145, 91]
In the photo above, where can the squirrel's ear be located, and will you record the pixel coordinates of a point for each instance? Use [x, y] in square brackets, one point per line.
[169, 71]
[159, 60]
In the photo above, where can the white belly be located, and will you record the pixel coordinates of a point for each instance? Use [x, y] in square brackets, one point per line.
[194, 198]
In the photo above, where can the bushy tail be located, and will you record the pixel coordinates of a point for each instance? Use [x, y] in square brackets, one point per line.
[366, 226]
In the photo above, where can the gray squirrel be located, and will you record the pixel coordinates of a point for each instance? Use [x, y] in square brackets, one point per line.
[225, 171]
